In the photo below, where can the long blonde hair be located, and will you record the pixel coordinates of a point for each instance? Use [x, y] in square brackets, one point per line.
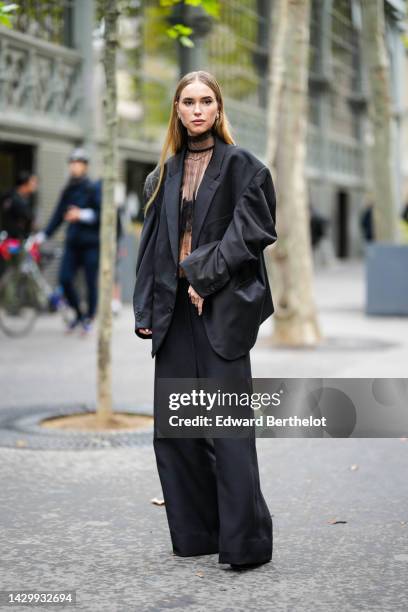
[176, 136]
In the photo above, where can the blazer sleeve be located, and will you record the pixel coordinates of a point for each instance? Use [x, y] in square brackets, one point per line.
[209, 267]
[143, 292]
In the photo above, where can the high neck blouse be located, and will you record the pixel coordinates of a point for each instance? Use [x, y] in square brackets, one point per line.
[199, 152]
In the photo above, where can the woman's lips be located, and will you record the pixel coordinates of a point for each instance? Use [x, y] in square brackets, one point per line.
[199, 121]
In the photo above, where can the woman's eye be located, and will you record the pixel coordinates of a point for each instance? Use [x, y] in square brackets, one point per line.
[189, 102]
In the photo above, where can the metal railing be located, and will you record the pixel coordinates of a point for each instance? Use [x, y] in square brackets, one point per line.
[39, 81]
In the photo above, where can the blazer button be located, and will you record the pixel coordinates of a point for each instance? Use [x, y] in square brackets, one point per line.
[169, 309]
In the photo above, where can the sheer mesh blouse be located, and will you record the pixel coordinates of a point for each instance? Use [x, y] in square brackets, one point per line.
[197, 158]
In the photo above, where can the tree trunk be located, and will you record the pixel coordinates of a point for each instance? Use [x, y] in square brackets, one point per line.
[380, 112]
[277, 28]
[108, 224]
[291, 265]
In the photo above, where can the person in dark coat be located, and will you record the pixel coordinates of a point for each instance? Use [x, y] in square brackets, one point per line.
[80, 206]
[367, 223]
[17, 215]
[318, 226]
[404, 213]
[201, 294]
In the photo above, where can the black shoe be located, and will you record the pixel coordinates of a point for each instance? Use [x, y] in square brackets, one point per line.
[245, 566]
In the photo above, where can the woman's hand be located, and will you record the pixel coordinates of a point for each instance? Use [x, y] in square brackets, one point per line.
[145, 331]
[196, 299]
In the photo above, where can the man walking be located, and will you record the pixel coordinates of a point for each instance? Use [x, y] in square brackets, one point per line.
[80, 206]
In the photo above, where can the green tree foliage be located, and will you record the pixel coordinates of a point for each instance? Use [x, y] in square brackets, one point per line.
[182, 32]
[6, 10]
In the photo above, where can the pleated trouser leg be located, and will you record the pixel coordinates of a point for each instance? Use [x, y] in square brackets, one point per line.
[211, 487]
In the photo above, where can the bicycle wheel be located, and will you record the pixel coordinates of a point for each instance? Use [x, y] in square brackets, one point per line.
[18, 310]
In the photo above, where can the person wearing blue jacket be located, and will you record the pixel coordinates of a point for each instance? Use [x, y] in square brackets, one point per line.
[80, 206]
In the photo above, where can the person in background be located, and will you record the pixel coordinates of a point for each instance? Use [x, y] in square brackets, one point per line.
[17, 215]
[404, 214]
[367, 222]
[318, 226]
[404, 223]
[79, 205]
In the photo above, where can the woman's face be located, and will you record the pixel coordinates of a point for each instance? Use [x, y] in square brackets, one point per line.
[197, 107]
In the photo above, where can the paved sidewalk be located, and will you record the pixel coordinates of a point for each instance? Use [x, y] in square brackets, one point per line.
[83, 520]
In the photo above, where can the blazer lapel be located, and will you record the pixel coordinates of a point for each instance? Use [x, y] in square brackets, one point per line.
[207, 189]
[171, 199]
[205, 193]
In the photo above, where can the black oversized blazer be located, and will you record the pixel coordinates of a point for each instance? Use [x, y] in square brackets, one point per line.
[234, 220]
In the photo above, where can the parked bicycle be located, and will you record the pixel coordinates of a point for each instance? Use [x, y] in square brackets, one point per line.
[24, 290]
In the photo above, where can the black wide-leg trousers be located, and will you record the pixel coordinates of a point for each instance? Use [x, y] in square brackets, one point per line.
[211, 487]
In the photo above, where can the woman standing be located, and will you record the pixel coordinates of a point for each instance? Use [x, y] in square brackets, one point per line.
[201, 294]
